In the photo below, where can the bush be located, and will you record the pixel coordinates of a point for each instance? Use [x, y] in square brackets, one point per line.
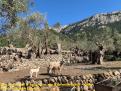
[110, 57]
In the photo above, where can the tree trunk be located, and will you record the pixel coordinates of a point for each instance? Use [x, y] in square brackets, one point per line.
[46, 43]
[59, 48]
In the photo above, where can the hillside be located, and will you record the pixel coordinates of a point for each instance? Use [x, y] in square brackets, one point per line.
[97, 20]
[104, 28]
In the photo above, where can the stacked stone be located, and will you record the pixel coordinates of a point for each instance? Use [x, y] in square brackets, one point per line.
[85, 83]
[12, 65]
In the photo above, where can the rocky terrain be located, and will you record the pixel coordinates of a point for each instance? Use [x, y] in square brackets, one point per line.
[38, 84]
[97, 20]
[14, 74]
[74, 74]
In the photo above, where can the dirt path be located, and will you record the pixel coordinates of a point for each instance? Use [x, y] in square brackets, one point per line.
[74, 70]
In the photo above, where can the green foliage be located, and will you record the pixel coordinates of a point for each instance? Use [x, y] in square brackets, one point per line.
[3, 41]
[10, 10]
[110, 35]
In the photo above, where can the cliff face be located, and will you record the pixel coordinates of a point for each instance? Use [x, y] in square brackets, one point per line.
[98, 20]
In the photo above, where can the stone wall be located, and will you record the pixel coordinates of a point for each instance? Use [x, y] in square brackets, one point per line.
[82, 83]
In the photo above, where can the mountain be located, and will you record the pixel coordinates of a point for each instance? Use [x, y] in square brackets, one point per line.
[104, 28]
[100, 20]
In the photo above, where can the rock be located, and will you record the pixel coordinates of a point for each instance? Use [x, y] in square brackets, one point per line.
[116, 73]
[45, 81]
[29, 88]
[85, 88]
[40, 82]
[51, 81]
[3, 87]
[83, 77]
[97, 20]
[18, 84]
[13, 70]
[1, 70]
[64, 80]
[111, 73]
[54, 88]
[56, 79]
[59, 79]
[91, 88]
[36, 88]
[90, 81]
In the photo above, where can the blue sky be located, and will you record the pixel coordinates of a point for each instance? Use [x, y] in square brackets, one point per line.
[70, 11]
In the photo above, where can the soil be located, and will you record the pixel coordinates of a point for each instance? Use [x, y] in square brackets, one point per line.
[76, 69]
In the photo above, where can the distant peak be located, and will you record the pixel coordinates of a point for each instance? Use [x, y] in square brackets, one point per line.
[96, 20]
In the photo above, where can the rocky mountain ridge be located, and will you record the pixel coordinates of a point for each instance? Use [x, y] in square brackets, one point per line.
[97, 20]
